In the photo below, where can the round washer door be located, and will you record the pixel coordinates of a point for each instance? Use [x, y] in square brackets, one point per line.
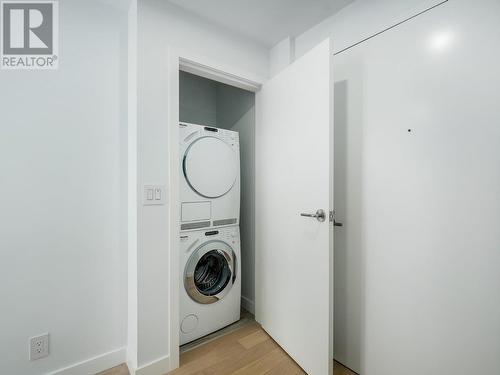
[210, 167]
[210, 272]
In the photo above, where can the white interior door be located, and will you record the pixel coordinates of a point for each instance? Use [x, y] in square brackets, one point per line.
[294, 165]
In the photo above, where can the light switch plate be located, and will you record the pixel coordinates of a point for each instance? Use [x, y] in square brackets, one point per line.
[154, 195]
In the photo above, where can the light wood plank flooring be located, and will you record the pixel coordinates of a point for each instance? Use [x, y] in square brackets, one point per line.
[118, 370]
[246, 351]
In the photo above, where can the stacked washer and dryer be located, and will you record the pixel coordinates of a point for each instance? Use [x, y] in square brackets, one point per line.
[210, 292]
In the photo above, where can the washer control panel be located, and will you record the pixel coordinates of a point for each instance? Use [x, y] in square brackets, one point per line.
[229, 235]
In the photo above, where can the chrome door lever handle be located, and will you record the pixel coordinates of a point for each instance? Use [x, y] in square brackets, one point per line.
[319, 215]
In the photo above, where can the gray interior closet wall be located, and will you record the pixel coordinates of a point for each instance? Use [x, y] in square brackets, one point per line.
[206, 102]
[197, 99]
[236, 111]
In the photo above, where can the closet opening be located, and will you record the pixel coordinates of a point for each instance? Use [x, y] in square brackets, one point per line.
[217, 208]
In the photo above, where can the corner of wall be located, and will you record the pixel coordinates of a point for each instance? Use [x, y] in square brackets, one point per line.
[131, 354]
[281, 55]
[248, 304]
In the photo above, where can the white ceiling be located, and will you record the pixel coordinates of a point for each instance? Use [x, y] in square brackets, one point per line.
[265, 21]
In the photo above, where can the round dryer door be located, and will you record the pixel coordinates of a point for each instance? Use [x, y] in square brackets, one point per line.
[210, 272]
[210, 167]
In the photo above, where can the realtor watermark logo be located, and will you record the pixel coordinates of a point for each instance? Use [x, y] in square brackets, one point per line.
[29, 35]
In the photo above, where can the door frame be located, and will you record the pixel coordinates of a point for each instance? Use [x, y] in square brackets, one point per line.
[204, 67]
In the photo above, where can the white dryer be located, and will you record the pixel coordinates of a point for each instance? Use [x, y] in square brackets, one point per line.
[210, 177]
[210, 281]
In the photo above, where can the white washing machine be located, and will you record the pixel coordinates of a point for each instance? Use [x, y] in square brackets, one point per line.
[210, 292]
[210, 177]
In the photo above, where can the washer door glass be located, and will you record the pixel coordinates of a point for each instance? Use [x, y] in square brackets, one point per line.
[210, 272]
[210, 166]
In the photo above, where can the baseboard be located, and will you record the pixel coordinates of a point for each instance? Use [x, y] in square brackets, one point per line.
[248, 304]
[159, 367]
[96, 364]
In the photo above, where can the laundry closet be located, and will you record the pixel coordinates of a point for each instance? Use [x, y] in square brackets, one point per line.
[217, 205]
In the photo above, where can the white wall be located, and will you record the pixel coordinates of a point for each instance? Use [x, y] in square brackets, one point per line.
[359, 20]
[355, 22]
[417, 281]
[63, 205]
[162, 25]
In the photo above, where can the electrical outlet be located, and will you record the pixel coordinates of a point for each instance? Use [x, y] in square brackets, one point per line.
[39, 347]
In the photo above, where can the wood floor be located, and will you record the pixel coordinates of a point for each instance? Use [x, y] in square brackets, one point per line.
[246, 351]
[118, 370]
